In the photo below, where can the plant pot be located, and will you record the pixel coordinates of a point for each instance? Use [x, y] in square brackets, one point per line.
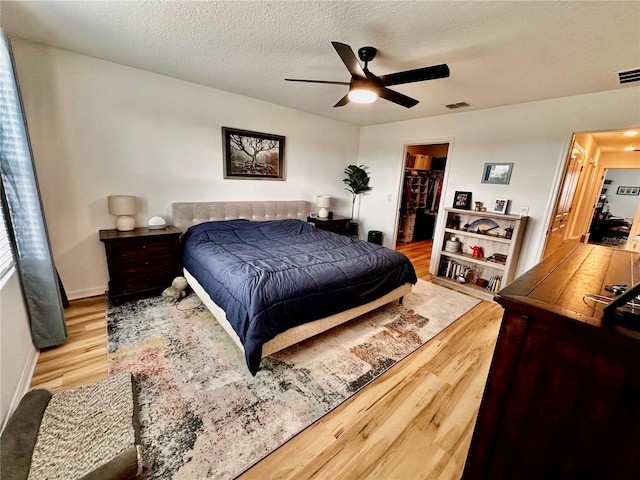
[353, 230]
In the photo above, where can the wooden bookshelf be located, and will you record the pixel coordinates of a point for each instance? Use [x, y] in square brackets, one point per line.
[502, 236]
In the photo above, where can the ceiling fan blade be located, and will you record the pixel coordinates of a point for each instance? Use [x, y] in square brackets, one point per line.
[343, 101]
[315, 81]
[417, 75]
[349, 59]
[396, 97]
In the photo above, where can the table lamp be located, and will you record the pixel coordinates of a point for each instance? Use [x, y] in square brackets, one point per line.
[123, 206]
[323, 202]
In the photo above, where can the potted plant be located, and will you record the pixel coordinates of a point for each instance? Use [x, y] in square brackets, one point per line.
[357, 182]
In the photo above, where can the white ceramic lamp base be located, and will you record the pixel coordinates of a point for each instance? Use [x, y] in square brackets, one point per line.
[125, 223]
[323, 212]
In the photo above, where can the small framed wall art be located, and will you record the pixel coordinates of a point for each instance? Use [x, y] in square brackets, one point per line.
[252, 155]
[500, 205]
[462, 200]
[499, 173]
[628, 191]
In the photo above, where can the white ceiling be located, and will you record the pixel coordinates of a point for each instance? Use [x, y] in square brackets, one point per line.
[499, 53]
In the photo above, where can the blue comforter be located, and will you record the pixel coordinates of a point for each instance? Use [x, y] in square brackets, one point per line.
[271, 276]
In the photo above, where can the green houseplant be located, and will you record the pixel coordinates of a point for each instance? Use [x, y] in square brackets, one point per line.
[357, 181]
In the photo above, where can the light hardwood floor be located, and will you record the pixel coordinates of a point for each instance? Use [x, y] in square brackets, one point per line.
[420, 255]
[415, 421]
[83, 358]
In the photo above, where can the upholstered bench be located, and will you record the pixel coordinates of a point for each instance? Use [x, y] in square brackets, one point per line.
[91, 432]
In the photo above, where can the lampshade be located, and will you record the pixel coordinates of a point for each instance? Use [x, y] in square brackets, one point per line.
[124, 206]
[323, 202]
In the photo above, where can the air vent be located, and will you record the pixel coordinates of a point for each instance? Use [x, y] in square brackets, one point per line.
[629, 76]
[453, 106]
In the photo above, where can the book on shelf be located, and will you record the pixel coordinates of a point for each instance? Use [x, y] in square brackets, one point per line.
[495, 283]
[456, 271]
[497, 258]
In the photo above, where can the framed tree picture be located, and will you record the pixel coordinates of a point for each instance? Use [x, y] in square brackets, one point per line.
[252, 155]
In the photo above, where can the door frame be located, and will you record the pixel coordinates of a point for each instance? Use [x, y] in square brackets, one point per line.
[586, 204]
[431, 141]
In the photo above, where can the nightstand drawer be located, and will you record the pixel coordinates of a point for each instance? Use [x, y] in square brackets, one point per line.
[147, 280]
[147, 248]
[132, 266]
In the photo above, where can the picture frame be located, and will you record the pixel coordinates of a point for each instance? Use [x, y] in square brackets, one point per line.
[497, 173]
[622, 190]
[462, 200]
[500, 205]
[252, 155]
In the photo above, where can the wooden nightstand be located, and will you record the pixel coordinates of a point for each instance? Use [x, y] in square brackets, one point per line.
[336, 224]
[141, 262]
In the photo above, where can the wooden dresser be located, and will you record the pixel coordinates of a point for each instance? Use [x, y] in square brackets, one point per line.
[562, 399]
[141, 262]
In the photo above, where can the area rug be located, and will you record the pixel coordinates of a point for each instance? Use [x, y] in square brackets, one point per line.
[202, 413]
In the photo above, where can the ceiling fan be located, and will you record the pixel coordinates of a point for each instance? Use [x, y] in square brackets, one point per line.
[365, 87]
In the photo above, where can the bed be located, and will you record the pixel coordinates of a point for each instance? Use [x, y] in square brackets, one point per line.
[271, 279]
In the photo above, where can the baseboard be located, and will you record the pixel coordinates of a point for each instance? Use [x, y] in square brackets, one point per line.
[86, 292]
[23, 385]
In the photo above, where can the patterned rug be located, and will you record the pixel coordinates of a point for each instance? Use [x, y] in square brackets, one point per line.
[202, 413]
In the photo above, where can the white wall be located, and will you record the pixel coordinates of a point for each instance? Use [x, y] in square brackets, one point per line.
[624, 206]
[99, 128]
[18, 356]
[534, 136]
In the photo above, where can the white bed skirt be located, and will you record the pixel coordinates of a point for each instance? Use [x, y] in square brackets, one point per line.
[301, 332]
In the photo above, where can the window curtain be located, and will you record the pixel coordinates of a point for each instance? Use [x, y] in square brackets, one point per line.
[25, 214]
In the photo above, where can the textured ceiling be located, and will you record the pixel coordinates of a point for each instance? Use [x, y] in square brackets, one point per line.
[499, 53]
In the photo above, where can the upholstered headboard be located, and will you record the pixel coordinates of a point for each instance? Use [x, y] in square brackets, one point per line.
[186, 214]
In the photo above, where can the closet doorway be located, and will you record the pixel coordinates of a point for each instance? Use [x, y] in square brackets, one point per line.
[422, 183]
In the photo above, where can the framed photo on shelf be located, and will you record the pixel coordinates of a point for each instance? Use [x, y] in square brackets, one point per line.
[462, 200]
[628, 191]
[252, 155]
[500, 205]
[498, 173]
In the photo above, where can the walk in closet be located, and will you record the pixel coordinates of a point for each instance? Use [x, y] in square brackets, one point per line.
[421, 191]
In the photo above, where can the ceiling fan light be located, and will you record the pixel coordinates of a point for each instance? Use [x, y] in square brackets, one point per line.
[362, 95]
